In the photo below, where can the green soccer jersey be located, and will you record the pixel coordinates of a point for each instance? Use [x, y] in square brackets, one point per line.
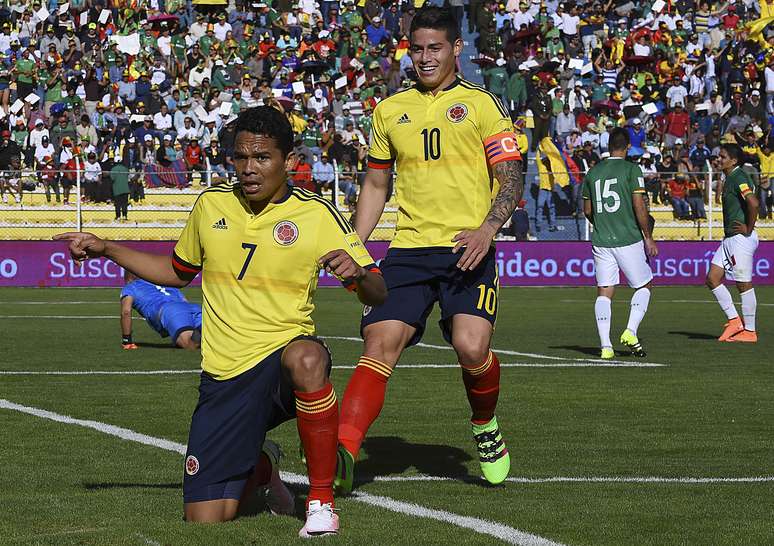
[737, 187]
[610, 186]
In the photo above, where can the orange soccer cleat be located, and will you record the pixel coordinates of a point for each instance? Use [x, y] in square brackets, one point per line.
[732, 327]
[746, 336]
[129, 346]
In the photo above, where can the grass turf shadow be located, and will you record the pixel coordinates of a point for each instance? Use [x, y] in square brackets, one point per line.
[392, 455]
[693, 335]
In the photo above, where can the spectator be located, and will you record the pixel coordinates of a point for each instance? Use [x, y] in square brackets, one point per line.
[92, 174]
[119, 177]
[323, 174]
[678, 191]
[301, 175]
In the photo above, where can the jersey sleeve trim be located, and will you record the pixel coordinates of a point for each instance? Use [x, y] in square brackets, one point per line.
[498, 103]
[376, 163]
[502, 147]
[183, 266]
[304, 195]
[745, 189]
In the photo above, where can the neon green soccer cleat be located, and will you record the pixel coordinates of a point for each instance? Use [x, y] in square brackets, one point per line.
[607, 353]
[631, 342]
[492, 453]
[345, 472]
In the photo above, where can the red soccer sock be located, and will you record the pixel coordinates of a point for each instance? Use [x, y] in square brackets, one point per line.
[317, 415]
[362, 403]
[482, 384]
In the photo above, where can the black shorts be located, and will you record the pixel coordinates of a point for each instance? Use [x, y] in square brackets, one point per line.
[229, 426]
[418, 277]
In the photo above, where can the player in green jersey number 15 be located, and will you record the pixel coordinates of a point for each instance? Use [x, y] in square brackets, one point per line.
[614, 202]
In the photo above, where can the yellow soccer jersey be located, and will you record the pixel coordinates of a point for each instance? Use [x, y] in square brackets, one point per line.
[442, 147]
[259, 272]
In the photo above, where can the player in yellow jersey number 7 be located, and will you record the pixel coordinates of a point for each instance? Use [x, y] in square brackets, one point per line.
[259, 245]
[445, 138]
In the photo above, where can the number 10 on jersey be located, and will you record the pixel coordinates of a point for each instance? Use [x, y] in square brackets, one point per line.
[432, 142]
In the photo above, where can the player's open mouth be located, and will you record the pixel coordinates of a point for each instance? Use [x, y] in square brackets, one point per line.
[427, 70]
[251, 188]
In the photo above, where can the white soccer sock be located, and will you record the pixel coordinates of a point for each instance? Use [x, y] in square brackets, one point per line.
[726, 303]
[639, 306]
[749, 304]
[603, 311]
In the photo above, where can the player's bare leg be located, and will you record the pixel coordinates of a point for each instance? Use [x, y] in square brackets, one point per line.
[638, 308]
[471, 338]
[364, 397]
[189, 340]
[317, 415]
[714, 282]
[603, 313]
[265, 475]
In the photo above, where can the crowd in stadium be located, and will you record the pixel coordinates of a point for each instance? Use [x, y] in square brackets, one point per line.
[153, 85]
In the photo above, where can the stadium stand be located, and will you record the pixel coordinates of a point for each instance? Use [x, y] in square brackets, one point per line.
[154, 85]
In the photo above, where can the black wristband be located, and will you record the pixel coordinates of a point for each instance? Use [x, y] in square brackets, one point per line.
[125, 340]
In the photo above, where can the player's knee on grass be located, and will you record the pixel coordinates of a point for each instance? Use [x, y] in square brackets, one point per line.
[306, 362]
[188, 341]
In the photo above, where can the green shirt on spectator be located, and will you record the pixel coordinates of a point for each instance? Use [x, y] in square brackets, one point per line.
[119, 175]
[25, 69]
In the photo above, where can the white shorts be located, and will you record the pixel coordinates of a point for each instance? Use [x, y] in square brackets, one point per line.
[735, 256]
[630, 259]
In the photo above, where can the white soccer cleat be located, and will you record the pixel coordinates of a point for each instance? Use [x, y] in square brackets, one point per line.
[321, 520]
[279, 500]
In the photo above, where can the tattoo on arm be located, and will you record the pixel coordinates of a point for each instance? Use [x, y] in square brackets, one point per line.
[508, 174]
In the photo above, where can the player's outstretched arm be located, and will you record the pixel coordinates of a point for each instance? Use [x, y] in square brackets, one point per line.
[477, 242]
[641, 214]
[370, 202]
[369, 285]
[155, 268]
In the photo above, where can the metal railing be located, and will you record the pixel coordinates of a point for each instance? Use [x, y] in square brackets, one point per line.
[30, 210]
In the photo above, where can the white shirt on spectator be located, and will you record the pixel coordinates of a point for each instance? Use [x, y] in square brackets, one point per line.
[197, 30]
[36, 136]
[162, 122]
[43, 151]
[675, 94]
[570, 24]
[319, 105]
[769, 80]
[221, 30]
[92, 171]
[165, 45]
[522, 18]
[195, 77]
[641, 50]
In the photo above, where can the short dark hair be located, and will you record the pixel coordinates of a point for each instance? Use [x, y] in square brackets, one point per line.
[734, 151]
[267, 121]
[619, 139]
[437, 19]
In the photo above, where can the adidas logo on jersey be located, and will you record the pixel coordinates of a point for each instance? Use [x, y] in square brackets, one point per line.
[404, 119]
[220, 224]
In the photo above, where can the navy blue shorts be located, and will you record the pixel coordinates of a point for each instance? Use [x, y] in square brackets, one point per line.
[229, 426]
[418, 277]
[180, 317]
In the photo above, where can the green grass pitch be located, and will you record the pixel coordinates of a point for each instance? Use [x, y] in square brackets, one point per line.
[707, 412]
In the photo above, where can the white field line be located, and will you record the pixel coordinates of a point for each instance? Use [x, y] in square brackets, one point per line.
[337, 367]
[586, 362]
[146, 540]
[587, 479]
[57, 302]
[516, 353]
[505, 533]
[672, 301]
